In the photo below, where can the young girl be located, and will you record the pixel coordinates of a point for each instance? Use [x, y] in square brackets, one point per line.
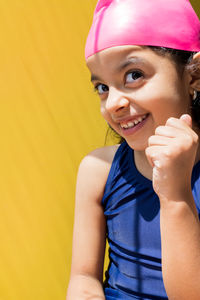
[144, 194]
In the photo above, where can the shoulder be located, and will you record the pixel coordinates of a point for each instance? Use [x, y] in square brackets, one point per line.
[100, 157]
[89, 220]
[94, 169]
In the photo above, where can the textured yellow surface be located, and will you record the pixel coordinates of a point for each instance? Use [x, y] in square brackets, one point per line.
[49, 119]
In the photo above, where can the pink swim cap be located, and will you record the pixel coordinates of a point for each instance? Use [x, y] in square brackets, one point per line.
[164, 23]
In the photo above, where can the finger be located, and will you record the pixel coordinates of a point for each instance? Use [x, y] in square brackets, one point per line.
[160, 140]
[153, 153]
[182, 124]
[168, 131]
[187, 119]
[148, 156]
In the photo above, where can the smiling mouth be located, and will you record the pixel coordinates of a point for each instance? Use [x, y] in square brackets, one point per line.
[132, 124]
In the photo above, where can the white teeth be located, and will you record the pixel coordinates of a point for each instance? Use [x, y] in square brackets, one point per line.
[132, 124]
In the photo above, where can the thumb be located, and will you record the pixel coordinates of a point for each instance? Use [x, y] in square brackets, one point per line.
[187, 119]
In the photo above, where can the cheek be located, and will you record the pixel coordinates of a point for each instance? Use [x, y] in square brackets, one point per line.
[108, 118]
[104, 112]
[165, 101]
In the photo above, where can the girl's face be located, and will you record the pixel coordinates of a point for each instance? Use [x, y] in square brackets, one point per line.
[139, 90]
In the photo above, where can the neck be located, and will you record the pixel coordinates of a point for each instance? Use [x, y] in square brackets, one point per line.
[142, 164]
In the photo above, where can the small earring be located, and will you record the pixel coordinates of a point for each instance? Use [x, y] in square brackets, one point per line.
[196, 99]
[195, 95]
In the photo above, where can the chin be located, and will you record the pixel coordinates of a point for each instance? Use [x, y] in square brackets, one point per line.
[137, 146]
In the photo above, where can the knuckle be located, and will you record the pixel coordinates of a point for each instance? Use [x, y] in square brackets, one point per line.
[159, 130]
[188, 140]
[168, 153]
[191, 140]
[150, 140]
[147, 151]
[170, 120]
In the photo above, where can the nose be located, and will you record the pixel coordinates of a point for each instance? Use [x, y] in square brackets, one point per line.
[116, 101]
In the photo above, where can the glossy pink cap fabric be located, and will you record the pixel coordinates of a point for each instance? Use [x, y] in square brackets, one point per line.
[164, 23]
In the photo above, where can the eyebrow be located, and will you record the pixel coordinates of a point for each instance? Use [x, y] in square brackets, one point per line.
[94, 77]
[131, 60]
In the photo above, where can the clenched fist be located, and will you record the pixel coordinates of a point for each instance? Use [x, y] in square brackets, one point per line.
[172, 152]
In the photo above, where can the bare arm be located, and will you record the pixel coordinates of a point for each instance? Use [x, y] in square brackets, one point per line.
[173, 151]
[89, 236]
[180, 232]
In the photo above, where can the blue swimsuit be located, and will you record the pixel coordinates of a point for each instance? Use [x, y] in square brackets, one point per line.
[132, 211]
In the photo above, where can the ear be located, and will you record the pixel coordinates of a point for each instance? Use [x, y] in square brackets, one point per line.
[194, 73]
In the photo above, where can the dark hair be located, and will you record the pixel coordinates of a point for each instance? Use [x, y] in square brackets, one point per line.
[182, 60]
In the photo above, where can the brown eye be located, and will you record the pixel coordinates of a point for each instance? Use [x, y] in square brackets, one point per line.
[133, 76]
[101, 88]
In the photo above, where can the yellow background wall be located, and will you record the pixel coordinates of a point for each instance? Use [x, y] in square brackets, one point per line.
[49, 119]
